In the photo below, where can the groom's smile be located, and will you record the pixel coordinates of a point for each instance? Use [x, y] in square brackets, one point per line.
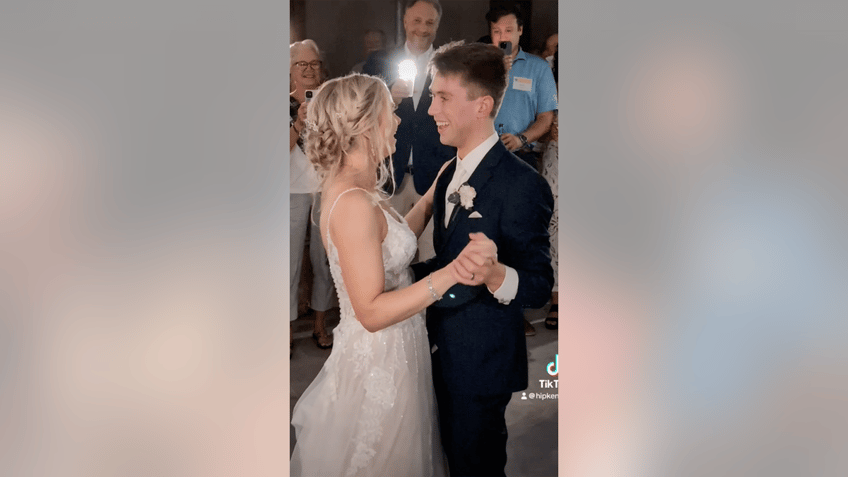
[453, 111]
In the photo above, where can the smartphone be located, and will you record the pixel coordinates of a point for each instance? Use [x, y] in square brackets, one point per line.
[506, 46]
[309, 93]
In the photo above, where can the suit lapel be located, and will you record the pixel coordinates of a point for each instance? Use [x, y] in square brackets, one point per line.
[479, 180]
[439, 204]
[424, 102]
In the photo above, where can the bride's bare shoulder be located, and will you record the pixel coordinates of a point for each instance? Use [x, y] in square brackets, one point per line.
[347, 199]
[352, 211]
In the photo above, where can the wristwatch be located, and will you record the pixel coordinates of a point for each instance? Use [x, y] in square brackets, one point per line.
[523, 140]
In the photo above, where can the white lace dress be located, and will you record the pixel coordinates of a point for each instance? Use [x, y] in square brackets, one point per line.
[371, 410]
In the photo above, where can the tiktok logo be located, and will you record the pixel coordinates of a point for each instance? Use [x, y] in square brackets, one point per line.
[555, 365]
[553, 370]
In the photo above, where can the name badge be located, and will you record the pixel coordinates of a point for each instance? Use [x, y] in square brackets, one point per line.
[522, 84]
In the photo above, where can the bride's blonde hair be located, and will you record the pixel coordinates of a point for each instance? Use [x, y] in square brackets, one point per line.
[344, 115]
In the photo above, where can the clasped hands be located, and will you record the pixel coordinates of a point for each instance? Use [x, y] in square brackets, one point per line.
[477, 264]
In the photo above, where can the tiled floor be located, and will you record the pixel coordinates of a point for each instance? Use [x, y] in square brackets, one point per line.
[531, 422]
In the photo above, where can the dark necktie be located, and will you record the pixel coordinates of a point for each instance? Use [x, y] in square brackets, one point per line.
[453, 198]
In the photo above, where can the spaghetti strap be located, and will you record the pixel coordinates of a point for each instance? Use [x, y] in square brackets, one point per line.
[330, 214]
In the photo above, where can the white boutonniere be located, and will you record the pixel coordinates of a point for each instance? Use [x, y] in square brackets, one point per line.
[466, 196]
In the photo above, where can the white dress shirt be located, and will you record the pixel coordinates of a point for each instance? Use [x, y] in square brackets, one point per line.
[465, 167]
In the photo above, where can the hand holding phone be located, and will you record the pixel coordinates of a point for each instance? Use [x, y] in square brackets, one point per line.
[506, 46]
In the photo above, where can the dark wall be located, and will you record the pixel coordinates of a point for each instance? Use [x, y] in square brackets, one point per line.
[338, 25]
[545, 21]
[462, 20]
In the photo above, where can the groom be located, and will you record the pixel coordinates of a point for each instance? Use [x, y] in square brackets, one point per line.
[476, 330]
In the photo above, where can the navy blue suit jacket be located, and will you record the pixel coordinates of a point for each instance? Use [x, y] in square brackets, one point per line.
[417, 131]
[481, 342]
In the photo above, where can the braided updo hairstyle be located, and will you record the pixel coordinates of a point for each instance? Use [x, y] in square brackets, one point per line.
[344, 115]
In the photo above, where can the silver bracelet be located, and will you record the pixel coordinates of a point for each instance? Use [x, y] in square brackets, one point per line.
[435, 295]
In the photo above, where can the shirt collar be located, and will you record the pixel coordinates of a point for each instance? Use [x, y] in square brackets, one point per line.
[470, 162]
[522, 55]
[427, 54]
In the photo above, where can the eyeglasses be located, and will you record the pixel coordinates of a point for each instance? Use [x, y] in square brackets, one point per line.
[316, 64]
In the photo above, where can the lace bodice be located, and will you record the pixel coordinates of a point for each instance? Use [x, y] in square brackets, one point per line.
[399, 248]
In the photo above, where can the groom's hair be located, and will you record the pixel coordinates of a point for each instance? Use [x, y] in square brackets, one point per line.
[480, 68]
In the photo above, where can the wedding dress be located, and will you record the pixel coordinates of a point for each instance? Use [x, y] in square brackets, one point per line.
[371, 410]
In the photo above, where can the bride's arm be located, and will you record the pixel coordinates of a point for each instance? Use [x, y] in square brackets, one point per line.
[420, 214]
[356, 228]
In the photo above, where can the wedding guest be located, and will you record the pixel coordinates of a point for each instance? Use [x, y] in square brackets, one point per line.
[550, 49]
[374, 40]
[419, 153]
[305, 197]
[530, 99]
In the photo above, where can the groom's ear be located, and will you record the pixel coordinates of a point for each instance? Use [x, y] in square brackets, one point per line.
[484, 106]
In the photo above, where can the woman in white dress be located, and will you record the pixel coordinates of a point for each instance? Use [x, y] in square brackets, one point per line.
[371, 409]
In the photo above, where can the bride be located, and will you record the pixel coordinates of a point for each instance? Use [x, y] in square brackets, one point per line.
[371, 409]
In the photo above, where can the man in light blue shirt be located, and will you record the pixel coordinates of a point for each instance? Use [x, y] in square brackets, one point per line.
[530, 100]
